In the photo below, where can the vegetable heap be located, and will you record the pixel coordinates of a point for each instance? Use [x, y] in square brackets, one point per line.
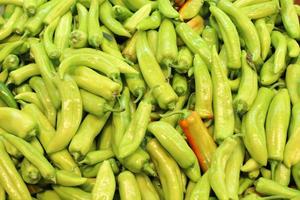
[135, 99]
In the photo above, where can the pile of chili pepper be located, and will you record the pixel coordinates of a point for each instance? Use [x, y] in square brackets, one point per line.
[149, 99]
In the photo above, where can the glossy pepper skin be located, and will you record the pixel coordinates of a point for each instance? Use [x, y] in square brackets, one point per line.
[199, 139]
[277, 125]
[253, 129]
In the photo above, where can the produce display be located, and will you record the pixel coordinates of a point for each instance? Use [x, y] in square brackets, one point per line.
[149, 100]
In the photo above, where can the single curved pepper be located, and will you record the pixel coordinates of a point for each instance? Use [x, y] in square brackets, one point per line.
[63, 32]
[277, 125]
[253, 129]
[7, 96]
[121, 12]
[95, 35]
[104, 141]
[165, 7]
[250, 165]
[203, 88]
[162, 90]
[94, 157]
[280, 43]
[210, 36]
[167, 169]
[247, 89]
[152, 38]
[129, 51]
[293, 47]
[136, 129]
[87, 131]
[245, 27]
[173, 142]
[134, 5]
[106, 17]
[230, 37]
[190, 9]
[179, 84]
[264, 37]
[219, 160]
[11, 62]
[9, 48]
[151, 22]
[30, 97]
[233, 168]
[282, 174]
[7, 28]
[105, 185]
[195, 43]
[78, 37]
[291, 152]
[184, 60]
[267, 75]
[58, 10]
[33, 155]
[289, 18]
[10, 179]
[146, 186]
[293, 82]
[269, 187]
[198, 137]
[128, 187]
[71, 113]
[39, 86]
[51, 48]
[222, 101]
[96, 83]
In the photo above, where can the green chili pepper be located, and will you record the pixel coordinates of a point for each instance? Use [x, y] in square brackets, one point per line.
[19, 26]
[269, 187]
[128, 187]
[94, 104]
[151, 22]
[10, 179]
[277, 125]
[222, 100]
[7, 28]
[71, 114]
[245, 27]
[203, 88]
[264, 37]
[179, 84]
[71, 193]
[201, 189]
[162, 90]
[46, 69]
[30, 6]
[11, 62]
[232, 170]
[230, 37]
[121, 13]
[3, 76]
[152, 38]
[11, 150]
[104, 141]
[280, 43]
[39, 86]
[9, 48]
[253, 126]
[107, 18]
[247, 89]
[290, 18]
[292, 47]
[23, 88]
[9, 9]
[51, 48]
[105, 183]
[282, 174]
[129, 51]
[86, 133]
[58, 11]
[7, 96]
[146, 186]
[194, 42]
[95, 83]
[166, 9]
[63, 32]
[94, 157]
[136, 84]
[210, 36]
[250, 165]
[30, 97]
[167, 52]
[267, 75]
[95, 35]
[136, 129]
[244, 184]
[260, 10]
[29, 172]
[48, 194]
[253, 174]
[190, 9]
[78, 37]
[68, 178]
[109, 44]
[218, 165]
[34, 156]
[173, 142]
[167, 169]
[184, 60]
[292, 82]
